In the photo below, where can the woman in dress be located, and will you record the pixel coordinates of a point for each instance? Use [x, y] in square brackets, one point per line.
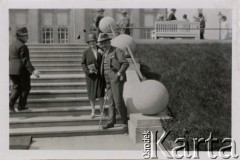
[91, 63]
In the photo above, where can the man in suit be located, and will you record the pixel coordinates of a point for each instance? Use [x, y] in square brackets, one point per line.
[172, 16]
[114, 66]
[125, 23]
[20, 70]
[202, 25]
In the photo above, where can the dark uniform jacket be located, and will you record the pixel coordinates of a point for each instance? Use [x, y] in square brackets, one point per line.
[19, 60]
[118, 62]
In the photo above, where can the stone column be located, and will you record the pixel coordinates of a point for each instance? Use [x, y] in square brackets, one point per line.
[33, 26]
[135, 20]
[80, 25]
[72, 27]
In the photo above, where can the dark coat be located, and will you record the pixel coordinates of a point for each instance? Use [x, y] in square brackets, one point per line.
[97, 20]
[19, 60]
[118, 62]
[95, 82]
[202, 24]
[171, 17]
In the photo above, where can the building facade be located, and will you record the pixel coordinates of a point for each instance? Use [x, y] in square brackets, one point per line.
[73, 25]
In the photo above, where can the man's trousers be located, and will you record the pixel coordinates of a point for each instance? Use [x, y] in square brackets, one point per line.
[20, 88]
[115, 98]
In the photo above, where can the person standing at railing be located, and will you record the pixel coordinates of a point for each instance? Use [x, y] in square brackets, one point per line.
[185, 18]
[172, 16]
[224, 28]
[98, 19]
[160, 17]
[202, 25]
[124, 23]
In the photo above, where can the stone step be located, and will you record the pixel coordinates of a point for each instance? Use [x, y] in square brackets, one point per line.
[58, 66]
[64, 131]
[55, 121]
[57, 53]
[59, 86]
[49, 78]
[55, 45]
[55, 57]
[57, 102]
[61, 71]
[56, 61]
[34, 94]
[52, 47]
[56, 93]
[57, 111]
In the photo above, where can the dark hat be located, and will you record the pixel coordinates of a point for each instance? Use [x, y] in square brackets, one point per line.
[173, 9]
[101, 10]
[92, 37]
[22, 31]
[103, 37]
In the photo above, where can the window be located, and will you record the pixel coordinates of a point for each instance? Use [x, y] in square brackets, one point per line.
[62, 35]
[55, 25]
[47, 34]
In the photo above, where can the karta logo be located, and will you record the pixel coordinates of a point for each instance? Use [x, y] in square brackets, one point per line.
[152, 144]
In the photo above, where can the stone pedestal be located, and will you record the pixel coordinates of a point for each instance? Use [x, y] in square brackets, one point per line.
[139, 123]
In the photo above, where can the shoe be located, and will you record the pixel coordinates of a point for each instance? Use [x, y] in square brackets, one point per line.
[92, 115]
[22, 108]
[13, 110]
[110, 125]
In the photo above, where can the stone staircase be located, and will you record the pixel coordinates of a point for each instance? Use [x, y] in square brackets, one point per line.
[58, 103]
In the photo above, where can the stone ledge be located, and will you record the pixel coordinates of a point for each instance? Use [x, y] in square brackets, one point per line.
[141, 120]
[139, 123]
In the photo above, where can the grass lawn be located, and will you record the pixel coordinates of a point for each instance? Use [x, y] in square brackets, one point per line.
[198, 79]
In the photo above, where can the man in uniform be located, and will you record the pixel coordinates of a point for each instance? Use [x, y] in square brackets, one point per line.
[20, 70]
[114, 66]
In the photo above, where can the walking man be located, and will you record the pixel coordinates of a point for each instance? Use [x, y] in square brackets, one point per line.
[20, 70]
[114, 66]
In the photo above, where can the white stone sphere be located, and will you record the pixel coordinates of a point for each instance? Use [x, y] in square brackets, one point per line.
[151, 97]
[105, 23]
[122, 41]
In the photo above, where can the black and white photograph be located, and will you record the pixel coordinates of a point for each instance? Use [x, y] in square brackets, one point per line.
[106, 80]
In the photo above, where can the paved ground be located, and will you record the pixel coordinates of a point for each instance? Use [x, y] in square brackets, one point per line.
[100, 142]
